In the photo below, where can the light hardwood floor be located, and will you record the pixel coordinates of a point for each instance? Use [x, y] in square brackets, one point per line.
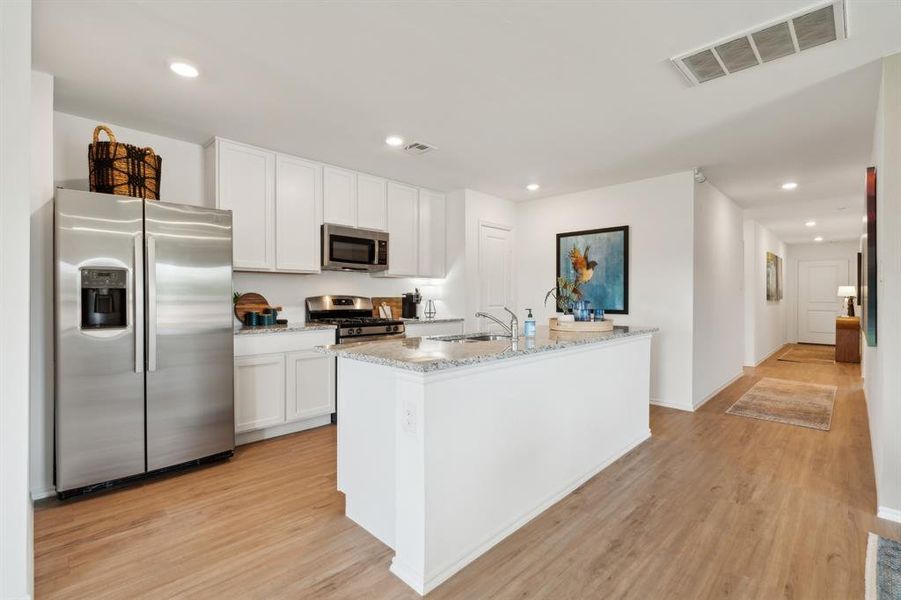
[713, 506]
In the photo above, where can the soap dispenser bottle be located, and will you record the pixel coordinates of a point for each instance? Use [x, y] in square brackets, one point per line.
[528, 328]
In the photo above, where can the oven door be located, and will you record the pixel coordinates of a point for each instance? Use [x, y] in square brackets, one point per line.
[380, 337]
[350, 249]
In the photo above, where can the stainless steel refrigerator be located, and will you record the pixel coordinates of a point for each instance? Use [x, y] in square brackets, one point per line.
[143, 337]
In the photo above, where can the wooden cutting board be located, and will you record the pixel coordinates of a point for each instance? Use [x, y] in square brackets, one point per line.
[395, 303]
[252, 302]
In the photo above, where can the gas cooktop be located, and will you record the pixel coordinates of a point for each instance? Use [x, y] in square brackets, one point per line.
[352, 316]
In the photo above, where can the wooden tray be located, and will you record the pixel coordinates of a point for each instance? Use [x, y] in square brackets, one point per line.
[252, 302]
[581, 326]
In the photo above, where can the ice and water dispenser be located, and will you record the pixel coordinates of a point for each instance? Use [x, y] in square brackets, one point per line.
[103, 298]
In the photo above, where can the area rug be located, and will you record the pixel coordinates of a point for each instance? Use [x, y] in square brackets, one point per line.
[792, 402]
[809, 353]
[883, 571]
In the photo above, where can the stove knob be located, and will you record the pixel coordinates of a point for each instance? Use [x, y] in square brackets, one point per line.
[394, 328]
[359, 331]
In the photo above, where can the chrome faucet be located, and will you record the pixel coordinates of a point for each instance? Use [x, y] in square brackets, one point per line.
[512, 329]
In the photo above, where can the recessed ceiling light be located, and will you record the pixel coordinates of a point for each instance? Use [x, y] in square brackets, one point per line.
[533, 187]
[394, 140]
[789, 185]
[810, 223]
[818, 238]
[184, 69]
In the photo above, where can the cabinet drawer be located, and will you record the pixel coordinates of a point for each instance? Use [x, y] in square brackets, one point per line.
[286, 341]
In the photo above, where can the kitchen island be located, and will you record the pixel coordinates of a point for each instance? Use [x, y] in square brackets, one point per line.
[447, 446]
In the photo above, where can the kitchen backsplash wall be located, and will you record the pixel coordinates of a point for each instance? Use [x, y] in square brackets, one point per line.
[290, 290]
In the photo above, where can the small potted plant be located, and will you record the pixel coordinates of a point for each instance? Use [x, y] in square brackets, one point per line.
[566, 293]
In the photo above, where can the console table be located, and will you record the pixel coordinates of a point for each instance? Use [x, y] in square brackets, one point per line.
[847, 339]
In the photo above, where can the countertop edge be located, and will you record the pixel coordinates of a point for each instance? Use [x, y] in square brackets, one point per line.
[446, 364]
[432, 321]
[289, 328]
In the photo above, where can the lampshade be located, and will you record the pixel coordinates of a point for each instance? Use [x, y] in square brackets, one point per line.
[847, 290]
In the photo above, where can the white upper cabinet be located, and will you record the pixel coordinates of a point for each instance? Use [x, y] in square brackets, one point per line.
[372, 202]
[298, 191]
[403, 230]
[279, 203]
[244, 183]
[339, 199]
[432, 234]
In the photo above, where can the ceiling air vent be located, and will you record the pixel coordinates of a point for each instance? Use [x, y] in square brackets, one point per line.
[417, 148]
[795, 33]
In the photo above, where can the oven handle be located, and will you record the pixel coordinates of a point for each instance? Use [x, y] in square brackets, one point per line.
[371, 338]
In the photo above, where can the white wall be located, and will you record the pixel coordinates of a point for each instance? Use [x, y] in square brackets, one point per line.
[718, 331]
[182, 178]
[765, 329]
[883, 377]
[41, 285]
[846, 251]
[659, 213]
[16, 533]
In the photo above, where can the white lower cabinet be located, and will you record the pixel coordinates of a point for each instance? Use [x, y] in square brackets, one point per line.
[309, 385]
[259, 391]
[282, 385]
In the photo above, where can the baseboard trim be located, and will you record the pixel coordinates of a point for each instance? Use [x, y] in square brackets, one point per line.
[767, 357]
[715, 392]
[889, 514]
[440, 575]
[43, 493]
[665, 404]
[248, 437]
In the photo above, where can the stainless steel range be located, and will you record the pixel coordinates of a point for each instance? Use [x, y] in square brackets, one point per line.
[352, 317]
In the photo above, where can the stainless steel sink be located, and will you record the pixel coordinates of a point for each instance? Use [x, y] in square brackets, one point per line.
[470, 337]
[488, 337]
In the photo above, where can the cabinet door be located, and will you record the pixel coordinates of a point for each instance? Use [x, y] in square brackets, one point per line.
[310, 385]
[339, 200]
[432, 234]
[259, 391]
[372, 202]
[403, 230]
[246, 182]
[298, 213]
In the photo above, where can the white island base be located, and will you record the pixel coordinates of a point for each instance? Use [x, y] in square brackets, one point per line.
[442, 465]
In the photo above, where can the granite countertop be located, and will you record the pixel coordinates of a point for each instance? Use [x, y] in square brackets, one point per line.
[429, 321]
[291, 326]
[427, 355]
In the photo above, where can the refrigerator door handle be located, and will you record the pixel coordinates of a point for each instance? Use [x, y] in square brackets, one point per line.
[138, 318]
[151, 303]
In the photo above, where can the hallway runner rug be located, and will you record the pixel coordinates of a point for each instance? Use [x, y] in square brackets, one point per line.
[809, 353]
[791, 402]
[883, 570]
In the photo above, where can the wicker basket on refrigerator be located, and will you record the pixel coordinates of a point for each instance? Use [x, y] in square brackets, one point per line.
[123, 169]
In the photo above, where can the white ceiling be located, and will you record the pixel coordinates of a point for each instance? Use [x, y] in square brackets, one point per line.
[573, 95]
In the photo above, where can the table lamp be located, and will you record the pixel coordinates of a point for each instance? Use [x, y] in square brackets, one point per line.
[848, 292]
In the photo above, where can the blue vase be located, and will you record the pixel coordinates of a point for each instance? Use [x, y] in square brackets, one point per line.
[581, 310]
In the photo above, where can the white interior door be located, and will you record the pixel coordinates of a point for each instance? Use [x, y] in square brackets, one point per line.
[495, 272]
[818, 304]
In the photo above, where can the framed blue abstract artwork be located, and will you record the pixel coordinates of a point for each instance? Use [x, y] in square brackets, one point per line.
[598, 260]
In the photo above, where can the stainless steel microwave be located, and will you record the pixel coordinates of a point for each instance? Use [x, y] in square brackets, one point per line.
[353, 249]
